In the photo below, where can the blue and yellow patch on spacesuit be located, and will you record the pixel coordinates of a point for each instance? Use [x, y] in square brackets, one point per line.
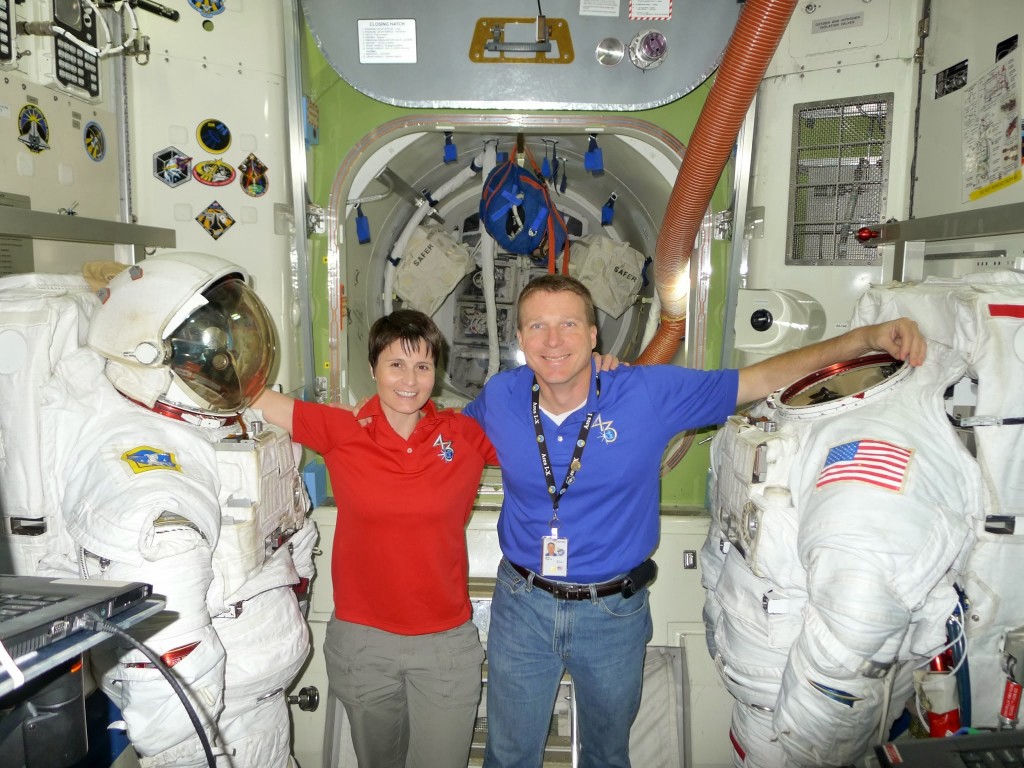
[144, 459]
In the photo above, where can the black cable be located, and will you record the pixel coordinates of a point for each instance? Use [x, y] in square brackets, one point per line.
[539, 11]
[922, 25]
[95, 622]
[158, 9]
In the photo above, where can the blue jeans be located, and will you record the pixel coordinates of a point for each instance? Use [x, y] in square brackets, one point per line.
[534, 637]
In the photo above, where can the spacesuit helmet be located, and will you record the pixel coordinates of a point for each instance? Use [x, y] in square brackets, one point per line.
[187, 330]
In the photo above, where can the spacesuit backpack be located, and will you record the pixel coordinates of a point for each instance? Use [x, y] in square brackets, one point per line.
[42, 318]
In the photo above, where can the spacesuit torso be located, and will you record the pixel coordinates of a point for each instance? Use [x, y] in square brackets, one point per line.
[840, 522]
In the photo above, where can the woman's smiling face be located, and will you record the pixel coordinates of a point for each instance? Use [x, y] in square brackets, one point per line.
[405, 378]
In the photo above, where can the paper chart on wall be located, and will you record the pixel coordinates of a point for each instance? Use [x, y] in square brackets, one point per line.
[992, 130]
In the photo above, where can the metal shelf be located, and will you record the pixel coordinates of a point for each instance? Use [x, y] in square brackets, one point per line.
[17, 222]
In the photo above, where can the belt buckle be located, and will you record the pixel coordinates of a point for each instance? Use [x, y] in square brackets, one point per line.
[559, 590]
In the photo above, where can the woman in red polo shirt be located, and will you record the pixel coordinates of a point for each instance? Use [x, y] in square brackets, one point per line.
[402, 653]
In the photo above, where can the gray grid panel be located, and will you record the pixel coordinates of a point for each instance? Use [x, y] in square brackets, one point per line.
[838, 179]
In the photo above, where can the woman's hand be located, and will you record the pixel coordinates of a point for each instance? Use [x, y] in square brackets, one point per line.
[607, 362]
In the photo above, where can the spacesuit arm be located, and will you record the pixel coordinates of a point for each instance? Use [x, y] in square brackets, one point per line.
[276, 408]
[901, 338]
[157, 724]
[835, 686]
[878, 595]
[712, 560]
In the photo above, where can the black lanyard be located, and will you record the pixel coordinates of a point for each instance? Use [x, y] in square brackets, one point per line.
[545, 458]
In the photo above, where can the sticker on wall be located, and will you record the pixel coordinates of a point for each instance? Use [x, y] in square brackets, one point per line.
[213, 173]
[213, 136]
[172, 166]
[33, 128]
[207, 8]
[252, 175]
[95, 141]
[312, 110]
[215, 220]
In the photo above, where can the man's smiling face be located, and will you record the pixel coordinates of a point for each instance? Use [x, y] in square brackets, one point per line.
[557, 340]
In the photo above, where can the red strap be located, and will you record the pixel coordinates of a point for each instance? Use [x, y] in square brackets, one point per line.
[551, 251]
[736, 745]
[1006, 310]
[565, 243]
[536, 168]
[555, 215]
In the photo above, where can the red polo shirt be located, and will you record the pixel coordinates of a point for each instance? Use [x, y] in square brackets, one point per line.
[399, 560]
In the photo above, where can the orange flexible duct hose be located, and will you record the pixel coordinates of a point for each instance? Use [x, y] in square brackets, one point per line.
[752, 45]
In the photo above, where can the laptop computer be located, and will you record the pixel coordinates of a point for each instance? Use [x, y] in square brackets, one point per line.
[36, 611]
[976, 750]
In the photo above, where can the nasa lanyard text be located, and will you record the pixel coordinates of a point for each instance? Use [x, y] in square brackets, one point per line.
[555, 550]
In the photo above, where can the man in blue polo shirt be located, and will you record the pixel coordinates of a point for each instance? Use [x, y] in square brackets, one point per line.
[580, 454]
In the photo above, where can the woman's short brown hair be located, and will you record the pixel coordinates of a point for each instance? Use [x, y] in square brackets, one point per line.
[410, 326]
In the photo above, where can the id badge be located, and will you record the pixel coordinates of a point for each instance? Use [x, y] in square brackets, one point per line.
[555, 556]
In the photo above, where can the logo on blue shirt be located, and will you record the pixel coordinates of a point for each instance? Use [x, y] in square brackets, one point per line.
[607, 432]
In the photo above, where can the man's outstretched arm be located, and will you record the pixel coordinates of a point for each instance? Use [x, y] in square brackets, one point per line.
[900, 338]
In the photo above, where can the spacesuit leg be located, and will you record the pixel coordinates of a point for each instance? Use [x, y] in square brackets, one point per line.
[266, 639]
[835, 688]
[266, 645]
[157, 722]
[753, 739]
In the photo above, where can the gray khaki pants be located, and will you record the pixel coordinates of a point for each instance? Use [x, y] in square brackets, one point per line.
[411, 700]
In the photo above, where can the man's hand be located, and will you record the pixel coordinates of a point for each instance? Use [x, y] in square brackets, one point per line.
[900, 338]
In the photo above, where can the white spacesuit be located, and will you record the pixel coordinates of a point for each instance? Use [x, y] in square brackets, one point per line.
[153, 474]
[843, 513]
[982, 315]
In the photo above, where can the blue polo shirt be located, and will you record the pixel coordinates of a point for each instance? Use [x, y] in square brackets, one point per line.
[610, 513]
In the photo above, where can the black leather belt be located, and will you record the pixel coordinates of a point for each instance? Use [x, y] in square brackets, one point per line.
[572, 591]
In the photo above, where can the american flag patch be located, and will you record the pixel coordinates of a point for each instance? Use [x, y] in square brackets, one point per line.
[874, 462]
